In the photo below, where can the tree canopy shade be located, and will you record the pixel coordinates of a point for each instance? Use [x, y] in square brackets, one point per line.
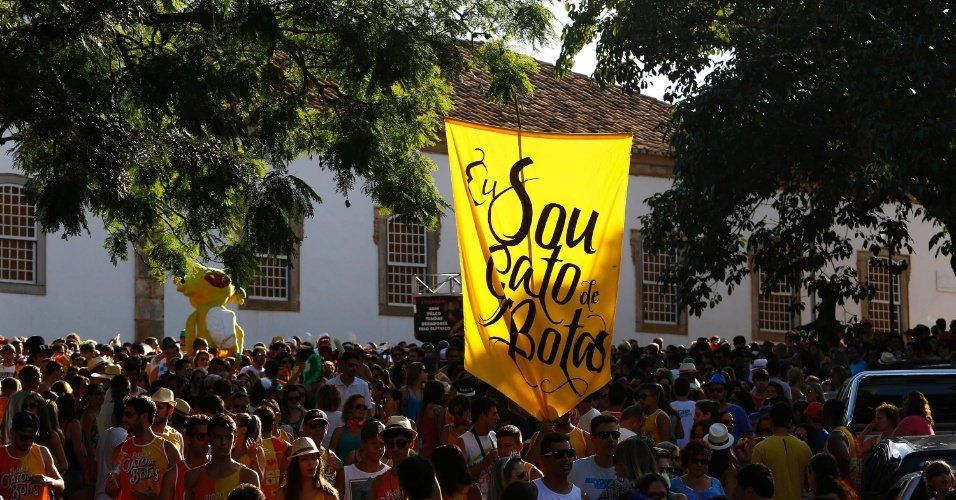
[174, 121]
[827, 124]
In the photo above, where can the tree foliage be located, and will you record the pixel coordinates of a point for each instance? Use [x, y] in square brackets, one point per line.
[827, 128]
[174, 121]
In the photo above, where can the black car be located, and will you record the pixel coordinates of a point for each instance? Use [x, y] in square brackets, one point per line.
[896, 457]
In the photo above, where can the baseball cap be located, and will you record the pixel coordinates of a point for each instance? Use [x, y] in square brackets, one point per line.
[371, 429]
[312, 415]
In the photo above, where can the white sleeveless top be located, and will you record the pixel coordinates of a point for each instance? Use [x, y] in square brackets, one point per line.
[358, 483]
[474, 455]
[546, 494]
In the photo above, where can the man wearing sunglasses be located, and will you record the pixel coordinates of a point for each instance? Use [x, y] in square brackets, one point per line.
[595, 473]
[196, 441]
[348, 383]
[222, 474]
[145, 463]
[26, 468]
[716, 389]
[315, 424]
[399, 439]
[557, 455]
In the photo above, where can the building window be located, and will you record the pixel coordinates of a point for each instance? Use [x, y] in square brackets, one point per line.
[407, 251]
[877, 274]
[272, 280]
[657, 310]
[22, 243]
[276, 285]
[773, 314]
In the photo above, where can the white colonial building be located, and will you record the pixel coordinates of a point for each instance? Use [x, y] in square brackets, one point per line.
[353, 276]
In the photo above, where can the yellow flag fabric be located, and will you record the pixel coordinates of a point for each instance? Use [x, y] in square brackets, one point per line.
[539, 238]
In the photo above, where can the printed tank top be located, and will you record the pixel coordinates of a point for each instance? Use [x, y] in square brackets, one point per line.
[142, 467]
[210, 488]
[15, 474]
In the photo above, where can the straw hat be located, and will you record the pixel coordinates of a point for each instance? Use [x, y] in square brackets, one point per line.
[303, 446]
[718, 438]
[164, 395]
[109, 372]
[399, 422]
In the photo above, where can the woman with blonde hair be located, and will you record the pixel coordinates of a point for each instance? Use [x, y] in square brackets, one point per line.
[633, 458]
[886, 418]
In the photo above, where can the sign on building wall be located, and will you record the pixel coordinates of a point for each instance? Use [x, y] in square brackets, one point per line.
[539, 238]
[437, 316]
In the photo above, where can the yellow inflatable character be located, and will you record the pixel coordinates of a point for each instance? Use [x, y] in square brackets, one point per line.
[209, 290]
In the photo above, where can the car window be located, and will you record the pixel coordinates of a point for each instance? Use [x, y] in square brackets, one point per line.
[915, 464]
[939, 389]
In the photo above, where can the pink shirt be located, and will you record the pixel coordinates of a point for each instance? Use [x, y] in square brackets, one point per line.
[915, 425]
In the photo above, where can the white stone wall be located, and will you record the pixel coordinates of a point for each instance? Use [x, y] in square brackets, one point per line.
[339, 280]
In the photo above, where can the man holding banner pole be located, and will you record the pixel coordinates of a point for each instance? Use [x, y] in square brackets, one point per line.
[479, 443]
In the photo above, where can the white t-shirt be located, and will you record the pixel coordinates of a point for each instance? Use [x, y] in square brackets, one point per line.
[358, 483]
[7, 371]
[475, 453]
[686, 411]
[104, 458]
[591, 477]
[358, 386]
[545, 494]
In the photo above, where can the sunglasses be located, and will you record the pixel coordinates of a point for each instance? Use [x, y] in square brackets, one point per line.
[559, 454]
[608, 434]
[396, 443]
[360, 407]
[315, 424]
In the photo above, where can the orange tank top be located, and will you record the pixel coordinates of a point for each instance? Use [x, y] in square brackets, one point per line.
[387, 487]
[211, 488]
[181, 470]
[15, 474]
[142, 467]
[274, 450]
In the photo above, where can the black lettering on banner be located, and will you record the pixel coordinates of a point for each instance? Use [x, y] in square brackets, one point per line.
[526, 306]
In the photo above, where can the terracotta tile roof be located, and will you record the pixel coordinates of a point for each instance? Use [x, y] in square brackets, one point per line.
[572, 105]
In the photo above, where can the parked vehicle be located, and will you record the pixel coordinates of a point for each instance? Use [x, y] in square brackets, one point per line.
[863, 392]
[893, 459]
[909, 487]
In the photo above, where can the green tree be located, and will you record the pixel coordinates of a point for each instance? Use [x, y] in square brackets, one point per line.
[174, 121]
[825, 128]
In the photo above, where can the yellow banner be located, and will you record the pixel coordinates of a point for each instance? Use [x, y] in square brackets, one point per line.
[539, 238]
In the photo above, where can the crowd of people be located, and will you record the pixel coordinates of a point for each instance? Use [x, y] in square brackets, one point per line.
[301, 420]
